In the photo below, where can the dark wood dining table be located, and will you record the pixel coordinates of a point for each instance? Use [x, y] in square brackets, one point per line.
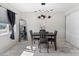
[36, 35]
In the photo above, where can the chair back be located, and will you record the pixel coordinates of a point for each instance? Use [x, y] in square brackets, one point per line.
[31, 33]
[55, 32]
[43, 30]
[43, 36]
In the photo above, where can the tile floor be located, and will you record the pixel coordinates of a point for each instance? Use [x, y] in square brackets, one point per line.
[67, 50]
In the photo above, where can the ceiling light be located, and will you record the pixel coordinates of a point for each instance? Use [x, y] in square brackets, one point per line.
[43, 3]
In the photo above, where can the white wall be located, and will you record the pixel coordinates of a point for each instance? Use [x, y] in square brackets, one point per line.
[5, 41]
[57, 22]
[72, 27]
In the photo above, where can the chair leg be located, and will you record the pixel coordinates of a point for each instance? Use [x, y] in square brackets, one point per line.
[47, 48]
[39, 48]
[55, 46]
[19, 40]
[34, 42]
[38, 45]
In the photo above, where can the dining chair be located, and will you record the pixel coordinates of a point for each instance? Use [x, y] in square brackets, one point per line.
[43, 40]
[53, 39]
[31, 34]
[32, 37]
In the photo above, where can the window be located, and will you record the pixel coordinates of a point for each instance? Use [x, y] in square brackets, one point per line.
[4, 28]
[4, 23]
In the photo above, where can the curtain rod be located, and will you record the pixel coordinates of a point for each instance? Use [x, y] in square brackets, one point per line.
[5, 8]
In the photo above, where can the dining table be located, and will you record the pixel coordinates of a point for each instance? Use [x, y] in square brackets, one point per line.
[36, 35]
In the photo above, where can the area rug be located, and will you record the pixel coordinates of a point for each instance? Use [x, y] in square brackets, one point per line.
[26, 53]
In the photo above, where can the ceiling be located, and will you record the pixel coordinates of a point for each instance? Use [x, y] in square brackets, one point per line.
[31, 7]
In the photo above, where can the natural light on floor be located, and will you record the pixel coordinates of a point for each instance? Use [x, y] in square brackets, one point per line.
[29, 51]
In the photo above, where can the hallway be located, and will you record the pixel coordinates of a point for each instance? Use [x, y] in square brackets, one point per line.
[67, 50]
